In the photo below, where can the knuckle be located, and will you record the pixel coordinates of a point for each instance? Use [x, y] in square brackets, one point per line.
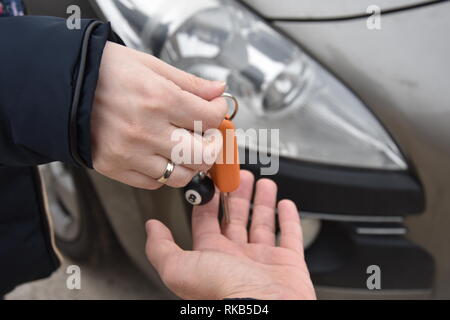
[160, 97]
[264, 227]
[118, 151]
[171, 93]
[143, 88]
[152, 185]
[214, 120]
[291, 234]
[195, 81]
[185, 177]
[121, 153]
[136, 134]
[147, 90]
[216, 116]
[132, 133]
[204, 167]
[238, 221]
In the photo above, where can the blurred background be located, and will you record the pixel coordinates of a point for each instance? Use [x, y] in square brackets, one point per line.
[359, 92]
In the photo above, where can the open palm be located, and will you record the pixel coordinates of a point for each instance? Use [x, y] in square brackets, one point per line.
[232, 260]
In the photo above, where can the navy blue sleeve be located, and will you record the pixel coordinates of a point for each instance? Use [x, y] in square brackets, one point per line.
[48, 76]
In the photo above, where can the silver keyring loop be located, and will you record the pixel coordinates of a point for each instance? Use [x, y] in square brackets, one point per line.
[236, 103]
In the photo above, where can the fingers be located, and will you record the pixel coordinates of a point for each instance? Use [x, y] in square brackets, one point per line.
[139, 103]
[160, 247]
[198, 99]
[194, 151]
[191, 108]
[200, 87]
[205, 220]
[262, 229]
[137, 180]
[290, 228]
[154, 167]
[239, 206]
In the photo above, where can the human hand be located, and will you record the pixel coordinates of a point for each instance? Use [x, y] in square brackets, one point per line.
[139, 101]
[229, 262]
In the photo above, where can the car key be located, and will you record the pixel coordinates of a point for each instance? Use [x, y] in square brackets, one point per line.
[226, 170]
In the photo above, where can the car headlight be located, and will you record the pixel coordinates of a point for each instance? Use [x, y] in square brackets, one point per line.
[277, 83]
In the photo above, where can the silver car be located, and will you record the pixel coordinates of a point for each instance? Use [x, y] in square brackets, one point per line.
[360, 95]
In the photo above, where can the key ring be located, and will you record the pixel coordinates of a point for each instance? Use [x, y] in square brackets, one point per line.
[236, 104]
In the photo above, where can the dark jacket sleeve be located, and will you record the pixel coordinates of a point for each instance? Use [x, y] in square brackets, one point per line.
[48, 76]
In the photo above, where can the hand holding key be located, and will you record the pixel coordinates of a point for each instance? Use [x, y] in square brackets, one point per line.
[139, 102]
[230, 261]
[225, 172]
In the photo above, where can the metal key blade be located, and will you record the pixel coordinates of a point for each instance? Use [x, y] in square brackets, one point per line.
[224, 199]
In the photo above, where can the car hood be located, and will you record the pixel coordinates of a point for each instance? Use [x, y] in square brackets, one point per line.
[324, 9]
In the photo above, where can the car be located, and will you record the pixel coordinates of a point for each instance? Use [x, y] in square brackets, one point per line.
[359, 93]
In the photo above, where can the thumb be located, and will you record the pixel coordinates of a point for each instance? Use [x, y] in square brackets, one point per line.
[160, 245]
[202, 88]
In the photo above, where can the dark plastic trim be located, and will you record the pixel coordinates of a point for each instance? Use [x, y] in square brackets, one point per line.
[339, 258]
[347, 191]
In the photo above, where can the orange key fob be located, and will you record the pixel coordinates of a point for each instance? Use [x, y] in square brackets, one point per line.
[226, 170]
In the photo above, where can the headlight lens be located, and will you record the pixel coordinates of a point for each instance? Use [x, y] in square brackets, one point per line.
[278, 85]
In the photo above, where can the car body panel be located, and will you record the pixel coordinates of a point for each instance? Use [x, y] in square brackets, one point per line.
[324, 9]
[401, 73]
[129, 208]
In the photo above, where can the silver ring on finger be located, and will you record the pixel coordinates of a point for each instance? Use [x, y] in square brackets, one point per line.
[167, 172]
